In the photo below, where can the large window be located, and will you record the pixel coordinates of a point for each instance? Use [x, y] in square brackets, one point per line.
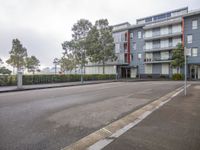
[131, 35]
[139, 34]
[148, 45]
[194, 24]
[148, 33]
[175, 41]
[164, 55]
[164, 43]
[194, 51]
[164, 31]
[189, 39]
[176, 28]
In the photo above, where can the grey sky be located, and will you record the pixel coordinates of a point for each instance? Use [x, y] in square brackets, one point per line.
[42, 25]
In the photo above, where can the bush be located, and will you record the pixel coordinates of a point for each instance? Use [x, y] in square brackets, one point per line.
[177, 76]
[6, 80]
[149, 76]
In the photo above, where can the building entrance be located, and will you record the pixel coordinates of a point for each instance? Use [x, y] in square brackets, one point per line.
[194, 72]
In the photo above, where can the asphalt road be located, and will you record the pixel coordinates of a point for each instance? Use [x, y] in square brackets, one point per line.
[54, 118]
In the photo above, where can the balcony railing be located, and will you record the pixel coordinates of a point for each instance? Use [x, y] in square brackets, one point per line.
[157, 60]
[159, 35]
[159, 48]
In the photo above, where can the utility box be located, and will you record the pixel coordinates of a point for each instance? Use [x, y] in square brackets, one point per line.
[19, 80]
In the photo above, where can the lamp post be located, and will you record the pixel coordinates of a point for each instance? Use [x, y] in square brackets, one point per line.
[187, 52]
[55, 62]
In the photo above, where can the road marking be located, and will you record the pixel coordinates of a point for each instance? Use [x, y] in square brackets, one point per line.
[101, 138]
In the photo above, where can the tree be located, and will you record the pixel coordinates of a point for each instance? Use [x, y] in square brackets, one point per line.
[67, 63]
[178, 57]
[17, 55]
[32, 64]
[100, 43]
[4, 70]
[1, 61]
[77, 45]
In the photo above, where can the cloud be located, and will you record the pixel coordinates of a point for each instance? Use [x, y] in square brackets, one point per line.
[42, 25]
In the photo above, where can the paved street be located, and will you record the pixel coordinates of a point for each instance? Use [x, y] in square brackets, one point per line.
[54, 118]
[175, 126]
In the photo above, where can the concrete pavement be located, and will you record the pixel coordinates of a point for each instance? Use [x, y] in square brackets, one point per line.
[4, 89]
[54, 118]
[175, 126]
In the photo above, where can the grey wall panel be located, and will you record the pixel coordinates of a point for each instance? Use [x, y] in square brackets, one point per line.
[195, 37]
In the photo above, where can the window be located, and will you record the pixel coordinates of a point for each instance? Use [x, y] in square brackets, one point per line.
[194, 24]
[117, 48]
[148, 19]
[131, 57]
[189, 38]
[139, 56]
[164, 31]
[134, 46]
[164, 55]
[164, 43]
[148, 33]
[175, 41]
[194, 51]
[176, 28]
[131, 35]
[148, 45]
[139, 34]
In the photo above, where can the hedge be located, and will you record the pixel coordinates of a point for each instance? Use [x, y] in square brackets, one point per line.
[177, 76]
[7, 80]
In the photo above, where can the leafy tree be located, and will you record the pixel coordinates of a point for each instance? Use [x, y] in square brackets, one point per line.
[32, 64]
[67, 63]
[1, 61]
[178, 57]
[4, 70]
[100, 43]
[77, 45]
[17, 55]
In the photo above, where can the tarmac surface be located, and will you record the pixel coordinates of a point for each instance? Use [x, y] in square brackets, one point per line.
[175, 126]
[54, 118]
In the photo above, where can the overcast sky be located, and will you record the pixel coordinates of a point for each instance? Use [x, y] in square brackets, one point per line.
[42, 25]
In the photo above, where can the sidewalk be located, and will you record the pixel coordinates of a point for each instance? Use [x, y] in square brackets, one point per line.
[175, 126]
[52, 85]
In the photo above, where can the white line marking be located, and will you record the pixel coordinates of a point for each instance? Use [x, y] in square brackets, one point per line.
[104, 142]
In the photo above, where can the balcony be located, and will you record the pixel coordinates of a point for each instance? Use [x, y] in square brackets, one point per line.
[161, 36]
[156, 49]
[157, 60]
[163, 23]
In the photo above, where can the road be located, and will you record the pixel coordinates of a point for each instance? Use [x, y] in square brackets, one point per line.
[54, 118]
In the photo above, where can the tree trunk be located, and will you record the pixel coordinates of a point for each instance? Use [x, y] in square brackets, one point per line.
[103, 67]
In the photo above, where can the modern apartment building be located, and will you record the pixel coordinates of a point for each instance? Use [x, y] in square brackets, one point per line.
[145, 49]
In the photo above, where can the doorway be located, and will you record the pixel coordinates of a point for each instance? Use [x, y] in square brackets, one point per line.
[194, 72]
[125, 72]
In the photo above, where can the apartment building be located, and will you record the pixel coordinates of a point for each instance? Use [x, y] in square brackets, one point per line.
[145, 48]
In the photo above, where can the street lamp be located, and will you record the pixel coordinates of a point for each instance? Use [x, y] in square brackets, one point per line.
[187, 52]
[55, 62]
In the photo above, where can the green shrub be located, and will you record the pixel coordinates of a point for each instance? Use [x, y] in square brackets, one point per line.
[149, 76]
[177, 76]
[6, 80]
